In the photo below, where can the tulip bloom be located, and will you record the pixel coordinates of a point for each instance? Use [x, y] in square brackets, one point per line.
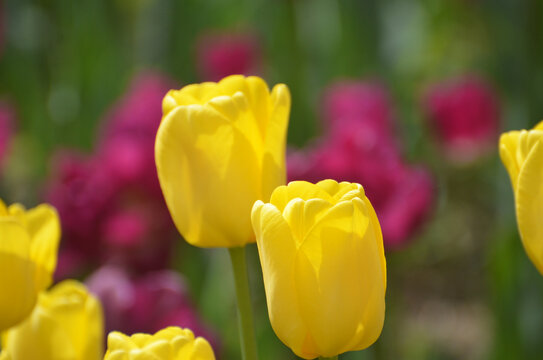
[220, 147]
[172, 343]
[522, 154]
[324, 268]
[28, 256]
[67, 323]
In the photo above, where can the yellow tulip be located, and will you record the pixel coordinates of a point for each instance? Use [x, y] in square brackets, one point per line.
[172, 343]
[220, 147]
[28, 256]
[322, 257]
[522, 154]
[67, 324]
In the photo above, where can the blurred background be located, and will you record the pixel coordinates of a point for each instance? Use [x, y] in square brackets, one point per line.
[407, 97]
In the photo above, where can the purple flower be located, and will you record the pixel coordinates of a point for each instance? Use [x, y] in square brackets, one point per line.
[464, 116]
[220, 55]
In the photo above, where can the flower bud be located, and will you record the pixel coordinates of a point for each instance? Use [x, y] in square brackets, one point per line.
[324, 269]
[172, 343]
[220, 147]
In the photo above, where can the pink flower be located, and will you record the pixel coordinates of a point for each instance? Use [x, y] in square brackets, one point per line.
[110, 203]
[220, 55]
[82, 193]
[359, 102]
[464, 115]
[7, 124]
[359, 147]
[127, 138]
[146, 304]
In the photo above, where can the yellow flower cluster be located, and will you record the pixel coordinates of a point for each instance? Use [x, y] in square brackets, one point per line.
[220, 156]
[221, 148]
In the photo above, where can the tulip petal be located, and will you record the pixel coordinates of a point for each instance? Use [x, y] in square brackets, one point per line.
[277, 251]
[202, 350]
[44, 228]
[199, 155]
[297, 189]
[374, 312]
[275, 133]
[529, 204]
[17, 294]
[335, 289]
[3, 208]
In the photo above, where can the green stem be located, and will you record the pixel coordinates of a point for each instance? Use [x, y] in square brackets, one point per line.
[245, 312]
[330, 358]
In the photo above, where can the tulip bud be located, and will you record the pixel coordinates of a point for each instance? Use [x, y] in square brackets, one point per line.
[172, 343]
[323, 262]
[522, 154]
[28, 256]
[67, 323]
[220, 147]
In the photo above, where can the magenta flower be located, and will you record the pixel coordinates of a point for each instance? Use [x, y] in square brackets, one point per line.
[359, 147]
[110, 203]
[127, 139]
[359, 102]
[7, 125]
[220, 55]
[82, 193]
[146, 304]
[464, 116]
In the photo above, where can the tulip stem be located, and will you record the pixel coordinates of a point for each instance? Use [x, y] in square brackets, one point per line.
[329, 358]
[245, 311]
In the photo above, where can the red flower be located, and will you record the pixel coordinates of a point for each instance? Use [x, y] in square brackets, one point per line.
[464, 116]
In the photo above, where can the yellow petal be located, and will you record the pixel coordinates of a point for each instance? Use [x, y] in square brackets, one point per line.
[3, 208]
[274, 134]
[209, 176]
[17, 286]
[339, 277]
[529, 204]
[277, 251]
[171, 343]
[44, 228]
[297, 189]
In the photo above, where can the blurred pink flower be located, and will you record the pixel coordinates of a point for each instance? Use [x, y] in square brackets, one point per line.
[82, 193]
[110, 203]
[146, 304]
[359, 102]
[126, 142]
[7, 125]
[220, 55]
[359, 147]
[464, 115]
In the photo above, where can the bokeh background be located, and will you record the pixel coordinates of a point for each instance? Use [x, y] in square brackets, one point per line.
[406, 97]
